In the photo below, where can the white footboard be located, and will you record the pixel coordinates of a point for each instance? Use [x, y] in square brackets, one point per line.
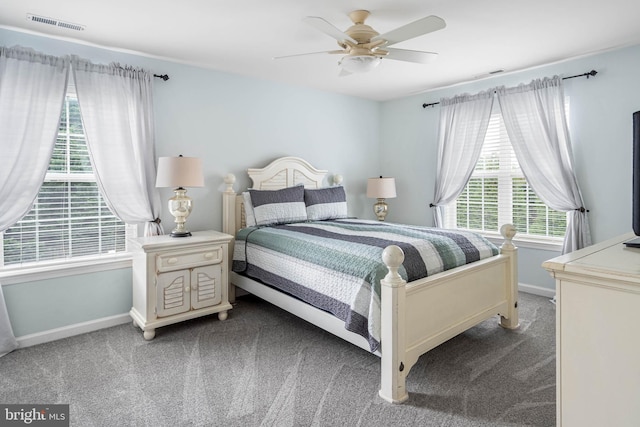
[419, 316]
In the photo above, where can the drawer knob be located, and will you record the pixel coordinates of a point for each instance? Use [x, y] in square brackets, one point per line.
[209, 255]
[172, 260]
[187, 289]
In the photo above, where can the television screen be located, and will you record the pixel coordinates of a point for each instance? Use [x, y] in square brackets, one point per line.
[636, 173]
[635, 197]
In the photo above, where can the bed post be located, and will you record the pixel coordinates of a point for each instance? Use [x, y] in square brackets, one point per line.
[510, 319]
[229, 222]
[229, 206]
[393, 369]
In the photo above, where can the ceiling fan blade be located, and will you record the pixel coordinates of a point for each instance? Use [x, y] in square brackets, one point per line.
[411, 55]
[324, 52]
[417, 28]
[327, 28]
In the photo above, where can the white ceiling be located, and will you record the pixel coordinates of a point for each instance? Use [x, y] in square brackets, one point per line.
[243, 36]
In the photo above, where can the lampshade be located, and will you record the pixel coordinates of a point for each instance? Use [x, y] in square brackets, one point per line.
[359, 63]
[179, 171]
[381, 188]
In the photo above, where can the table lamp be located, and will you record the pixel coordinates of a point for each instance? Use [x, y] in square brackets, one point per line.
[381, 188]
[178, 173]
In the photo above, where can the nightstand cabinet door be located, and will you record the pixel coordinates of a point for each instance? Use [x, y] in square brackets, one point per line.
[206, 286]
[172, 293]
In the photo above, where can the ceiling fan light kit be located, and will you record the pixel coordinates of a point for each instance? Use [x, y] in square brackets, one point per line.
[359, 64]
[363, 47]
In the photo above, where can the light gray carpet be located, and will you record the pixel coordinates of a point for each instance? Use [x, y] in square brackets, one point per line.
[265, 367]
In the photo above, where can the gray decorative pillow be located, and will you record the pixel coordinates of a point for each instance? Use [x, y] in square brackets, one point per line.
[326, 203]
[279, 206]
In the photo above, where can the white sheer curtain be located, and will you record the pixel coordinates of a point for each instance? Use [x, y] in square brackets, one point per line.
[534, 116]
[116, 105]
[8, 341]
[32, 89]
[463, 125]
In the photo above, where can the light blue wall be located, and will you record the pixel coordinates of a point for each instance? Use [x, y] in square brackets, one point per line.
[49, 304]
[231, 122]
[600, 123]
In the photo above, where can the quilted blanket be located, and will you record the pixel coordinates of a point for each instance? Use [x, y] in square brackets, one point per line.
[337, 265]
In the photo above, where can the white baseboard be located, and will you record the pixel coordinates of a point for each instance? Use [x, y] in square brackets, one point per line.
[72, 330]
[119, 319]
[536, 290]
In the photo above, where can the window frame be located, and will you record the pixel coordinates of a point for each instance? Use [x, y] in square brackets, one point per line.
[505, 178]
[61, 267]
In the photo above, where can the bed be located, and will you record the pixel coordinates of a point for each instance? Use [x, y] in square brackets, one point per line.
[414, 315]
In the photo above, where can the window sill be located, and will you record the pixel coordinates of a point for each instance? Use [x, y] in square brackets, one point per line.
[527, 242]
[16, 275]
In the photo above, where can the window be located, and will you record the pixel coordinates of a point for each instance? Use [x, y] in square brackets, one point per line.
[497, 193]
[69, 218]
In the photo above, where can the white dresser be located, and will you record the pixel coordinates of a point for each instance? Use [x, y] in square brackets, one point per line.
[598, 335]
[179, 278]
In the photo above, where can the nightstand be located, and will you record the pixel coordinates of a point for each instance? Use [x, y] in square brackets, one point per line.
[179, 278]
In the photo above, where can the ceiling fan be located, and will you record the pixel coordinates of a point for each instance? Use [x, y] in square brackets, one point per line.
[363, 47]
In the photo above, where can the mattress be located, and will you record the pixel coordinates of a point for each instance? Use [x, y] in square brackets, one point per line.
[337, 265]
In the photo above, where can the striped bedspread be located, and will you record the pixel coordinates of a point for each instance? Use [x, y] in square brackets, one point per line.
[337, 265]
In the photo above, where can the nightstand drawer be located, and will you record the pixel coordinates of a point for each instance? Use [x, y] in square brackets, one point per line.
[177, 260]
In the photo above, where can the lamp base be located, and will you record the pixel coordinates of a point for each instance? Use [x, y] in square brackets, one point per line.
[380, 208]
[180, 207]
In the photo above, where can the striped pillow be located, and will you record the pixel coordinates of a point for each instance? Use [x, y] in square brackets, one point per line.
[326, 203]
[278, 206]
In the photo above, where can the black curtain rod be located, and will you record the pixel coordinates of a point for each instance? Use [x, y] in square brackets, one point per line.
[164, 77]
[587, 75]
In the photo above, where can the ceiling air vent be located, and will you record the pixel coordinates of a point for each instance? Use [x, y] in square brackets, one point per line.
[54, 22]
[490, 73]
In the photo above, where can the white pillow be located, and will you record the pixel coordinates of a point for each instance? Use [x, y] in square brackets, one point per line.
[249, 217]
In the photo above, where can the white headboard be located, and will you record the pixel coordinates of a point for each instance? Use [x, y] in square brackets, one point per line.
[280, 173]
[286, 172]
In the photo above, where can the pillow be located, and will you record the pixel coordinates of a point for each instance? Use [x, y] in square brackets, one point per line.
[249, 217]
[278, 206]
[326, 203]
